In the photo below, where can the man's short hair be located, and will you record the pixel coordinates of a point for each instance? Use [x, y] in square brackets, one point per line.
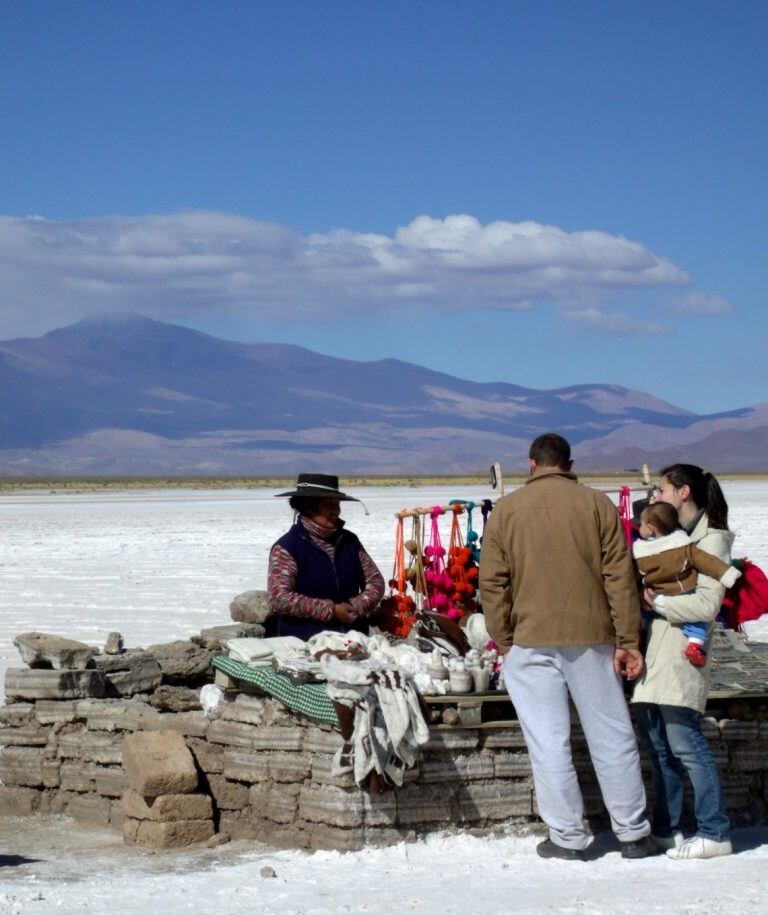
[550, 450]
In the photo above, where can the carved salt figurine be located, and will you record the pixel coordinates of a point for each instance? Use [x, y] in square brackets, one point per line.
[437, 669]
[461, 679]
[481, 678]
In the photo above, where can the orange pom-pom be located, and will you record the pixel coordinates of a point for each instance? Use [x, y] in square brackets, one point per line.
[472, 573]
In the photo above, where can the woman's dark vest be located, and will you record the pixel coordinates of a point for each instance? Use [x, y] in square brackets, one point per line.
[319, 576]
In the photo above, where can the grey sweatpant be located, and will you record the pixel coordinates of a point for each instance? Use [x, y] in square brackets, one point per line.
[538, 681]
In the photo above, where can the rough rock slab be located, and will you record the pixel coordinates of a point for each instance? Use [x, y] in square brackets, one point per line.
[208, 756]
[115, 714]
[166, 835]
[331, 805]
[54, 684]
[110, 781]
[17, 714]
[228, 795]
[190, 724]
[29, 736]
[51, 711]
[241, 824]
[277, 803]
[496, 800]
[252, 737]
[91, 746]
[40, 649]
[114, 643]
[216, 637]
[130, 673]
[158, 762]
[183, 661]
[256, 710]
[175, 699]
[22, 766]
[250, 607]
[78, 776]
[324, 836]
[89, 808]
[245, 765]
[439, 767]
[168, 807]
[18, 802]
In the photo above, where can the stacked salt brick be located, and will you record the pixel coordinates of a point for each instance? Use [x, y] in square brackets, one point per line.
[162, 807]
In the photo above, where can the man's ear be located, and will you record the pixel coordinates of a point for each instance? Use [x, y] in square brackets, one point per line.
[534, 465]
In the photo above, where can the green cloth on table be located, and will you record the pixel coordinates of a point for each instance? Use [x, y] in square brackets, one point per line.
[310, 699]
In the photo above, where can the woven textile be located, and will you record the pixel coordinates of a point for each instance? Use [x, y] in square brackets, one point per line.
[309, 699]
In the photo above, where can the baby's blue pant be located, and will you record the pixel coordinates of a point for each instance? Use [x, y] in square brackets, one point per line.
[690, 630]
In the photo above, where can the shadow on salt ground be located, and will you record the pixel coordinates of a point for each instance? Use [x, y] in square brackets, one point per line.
[16, 860]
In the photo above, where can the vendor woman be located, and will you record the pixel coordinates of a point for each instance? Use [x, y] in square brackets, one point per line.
[320, 577]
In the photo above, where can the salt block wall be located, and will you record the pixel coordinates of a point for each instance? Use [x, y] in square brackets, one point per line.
[269, 771]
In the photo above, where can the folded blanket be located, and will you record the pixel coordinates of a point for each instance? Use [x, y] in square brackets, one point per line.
[259, 652]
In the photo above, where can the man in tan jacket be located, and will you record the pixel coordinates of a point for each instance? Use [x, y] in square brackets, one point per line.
[560, 601]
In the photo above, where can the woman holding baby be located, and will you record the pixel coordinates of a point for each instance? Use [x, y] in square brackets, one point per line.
[670, 697]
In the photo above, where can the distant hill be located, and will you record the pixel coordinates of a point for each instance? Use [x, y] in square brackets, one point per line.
[130, 395]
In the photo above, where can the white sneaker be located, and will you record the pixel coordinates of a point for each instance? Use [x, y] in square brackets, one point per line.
[664, 843]
[700, 847]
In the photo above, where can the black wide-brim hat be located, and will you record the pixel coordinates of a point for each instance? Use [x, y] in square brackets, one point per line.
[317, 486]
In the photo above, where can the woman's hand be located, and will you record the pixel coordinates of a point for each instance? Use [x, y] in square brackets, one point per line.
[343, 613]
[648, 596]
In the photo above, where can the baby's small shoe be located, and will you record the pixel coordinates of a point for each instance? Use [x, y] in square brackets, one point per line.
[695, 654]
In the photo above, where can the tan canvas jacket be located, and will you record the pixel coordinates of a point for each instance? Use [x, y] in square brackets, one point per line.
[555, 569]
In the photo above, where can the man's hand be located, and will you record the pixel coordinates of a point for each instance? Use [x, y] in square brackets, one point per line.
[628, 662]
[343, 613]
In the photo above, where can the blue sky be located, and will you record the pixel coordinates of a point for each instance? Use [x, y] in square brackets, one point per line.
[286, 171]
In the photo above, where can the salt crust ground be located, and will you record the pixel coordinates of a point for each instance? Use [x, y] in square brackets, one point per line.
[74, 869]
[161, 565]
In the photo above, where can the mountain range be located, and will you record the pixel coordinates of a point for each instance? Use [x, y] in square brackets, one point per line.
[130, 395]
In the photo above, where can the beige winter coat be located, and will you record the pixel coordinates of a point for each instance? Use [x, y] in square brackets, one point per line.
[669, 678]
[555, 569]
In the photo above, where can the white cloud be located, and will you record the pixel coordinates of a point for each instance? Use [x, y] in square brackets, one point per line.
[700, 303]
[615, 323]
[201, 262]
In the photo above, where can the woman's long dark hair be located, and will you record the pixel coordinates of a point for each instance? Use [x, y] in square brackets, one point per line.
[305, 505]
[705, 491]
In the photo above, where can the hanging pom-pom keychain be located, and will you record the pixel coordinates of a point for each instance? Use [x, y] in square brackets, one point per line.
[625, 512]
[438, 580]
[472, 535]
[397, 610]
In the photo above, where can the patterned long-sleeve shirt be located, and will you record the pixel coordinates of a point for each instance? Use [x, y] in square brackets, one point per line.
[283, 571]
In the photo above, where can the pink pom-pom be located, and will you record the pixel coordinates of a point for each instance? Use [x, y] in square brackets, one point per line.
[439, 601]
[452, 613]
[446, 582]
[429, 551]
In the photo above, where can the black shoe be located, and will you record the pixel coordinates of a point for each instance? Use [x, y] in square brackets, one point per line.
[548, 849]
[640, 848]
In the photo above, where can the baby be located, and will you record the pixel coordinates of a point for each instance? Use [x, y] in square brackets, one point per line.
[669, 564]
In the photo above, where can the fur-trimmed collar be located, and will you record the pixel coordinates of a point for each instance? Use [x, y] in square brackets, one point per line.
[673, 541]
